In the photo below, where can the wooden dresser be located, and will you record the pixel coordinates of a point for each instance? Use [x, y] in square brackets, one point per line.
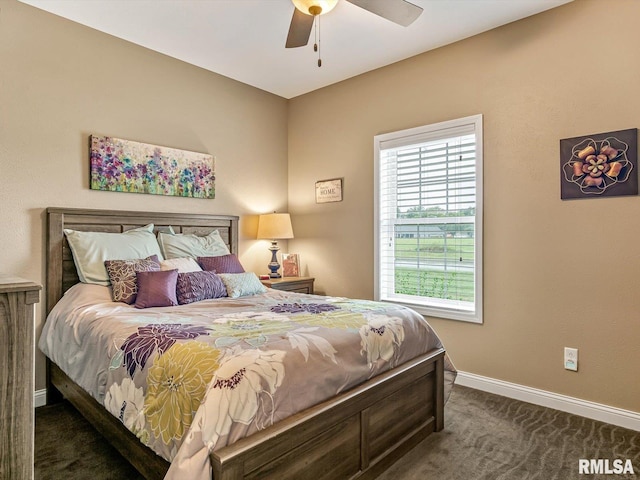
[291, 284]
[17, 304]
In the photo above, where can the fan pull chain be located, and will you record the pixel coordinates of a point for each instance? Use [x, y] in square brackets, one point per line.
[316, 45]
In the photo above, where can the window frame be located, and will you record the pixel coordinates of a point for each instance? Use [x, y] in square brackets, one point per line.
[400, 137]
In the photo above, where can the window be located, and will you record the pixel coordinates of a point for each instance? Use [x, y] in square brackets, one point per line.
[428, 216]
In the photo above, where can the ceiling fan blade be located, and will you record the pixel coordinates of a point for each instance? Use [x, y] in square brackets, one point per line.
[299, 30]
[398, 11]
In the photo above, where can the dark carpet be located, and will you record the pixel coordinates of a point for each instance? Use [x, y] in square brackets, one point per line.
[486, 437]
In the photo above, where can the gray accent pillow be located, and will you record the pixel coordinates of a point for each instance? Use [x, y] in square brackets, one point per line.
[241, 284]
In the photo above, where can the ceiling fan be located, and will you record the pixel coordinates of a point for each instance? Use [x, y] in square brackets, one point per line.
[306, 11]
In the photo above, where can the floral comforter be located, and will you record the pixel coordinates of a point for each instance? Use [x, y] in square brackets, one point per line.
[193, 378]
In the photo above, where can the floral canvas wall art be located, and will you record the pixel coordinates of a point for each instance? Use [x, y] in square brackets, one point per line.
[598, 165]
[119, 165]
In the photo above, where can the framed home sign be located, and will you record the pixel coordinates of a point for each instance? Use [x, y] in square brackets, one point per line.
[329, 190]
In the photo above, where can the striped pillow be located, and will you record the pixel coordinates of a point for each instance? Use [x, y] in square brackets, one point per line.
[196, 286]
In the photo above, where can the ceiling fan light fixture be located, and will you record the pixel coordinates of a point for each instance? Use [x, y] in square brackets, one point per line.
[315, 7]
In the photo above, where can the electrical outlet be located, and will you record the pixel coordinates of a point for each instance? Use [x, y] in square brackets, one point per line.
[571, 359]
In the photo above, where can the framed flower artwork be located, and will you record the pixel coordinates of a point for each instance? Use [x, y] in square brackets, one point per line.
[599, 165]
[119, 165]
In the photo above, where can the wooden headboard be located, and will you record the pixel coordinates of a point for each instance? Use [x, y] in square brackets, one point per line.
[61, 270]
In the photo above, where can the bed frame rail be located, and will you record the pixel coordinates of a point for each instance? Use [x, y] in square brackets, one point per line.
[356, 435]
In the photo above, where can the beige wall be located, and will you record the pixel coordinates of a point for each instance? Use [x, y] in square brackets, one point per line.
[556, 273]
[61, 82]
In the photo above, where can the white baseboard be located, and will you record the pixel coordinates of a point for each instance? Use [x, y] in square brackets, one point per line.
[576, 406]
[40, 398]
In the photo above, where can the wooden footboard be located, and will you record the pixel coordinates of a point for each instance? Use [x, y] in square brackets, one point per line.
[356, 435]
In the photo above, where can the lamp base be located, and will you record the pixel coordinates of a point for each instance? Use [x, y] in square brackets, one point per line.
[274, 265]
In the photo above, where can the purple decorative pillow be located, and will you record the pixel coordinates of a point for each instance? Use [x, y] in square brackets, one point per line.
[157, 289]
[222, 264]
[196, 286]
[122, 274]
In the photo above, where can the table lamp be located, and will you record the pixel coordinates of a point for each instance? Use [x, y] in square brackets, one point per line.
[274, 227]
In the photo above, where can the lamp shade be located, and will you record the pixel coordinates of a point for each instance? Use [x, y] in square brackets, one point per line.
[275, 226]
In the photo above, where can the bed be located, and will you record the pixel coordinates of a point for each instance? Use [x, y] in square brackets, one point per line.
[357, 433]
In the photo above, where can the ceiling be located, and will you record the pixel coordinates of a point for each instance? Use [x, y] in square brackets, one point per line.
[244, 39]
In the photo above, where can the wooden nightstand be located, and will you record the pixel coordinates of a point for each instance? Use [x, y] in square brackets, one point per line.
[17, 306]
[291, 284]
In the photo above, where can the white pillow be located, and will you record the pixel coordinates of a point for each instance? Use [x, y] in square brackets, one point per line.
[188, 245]
[91, 249]
[183, 265]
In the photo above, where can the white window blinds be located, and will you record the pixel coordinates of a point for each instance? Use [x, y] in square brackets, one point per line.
[429, 218]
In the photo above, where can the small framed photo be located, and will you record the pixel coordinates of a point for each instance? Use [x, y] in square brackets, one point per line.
[329, 190]
[290, 265]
